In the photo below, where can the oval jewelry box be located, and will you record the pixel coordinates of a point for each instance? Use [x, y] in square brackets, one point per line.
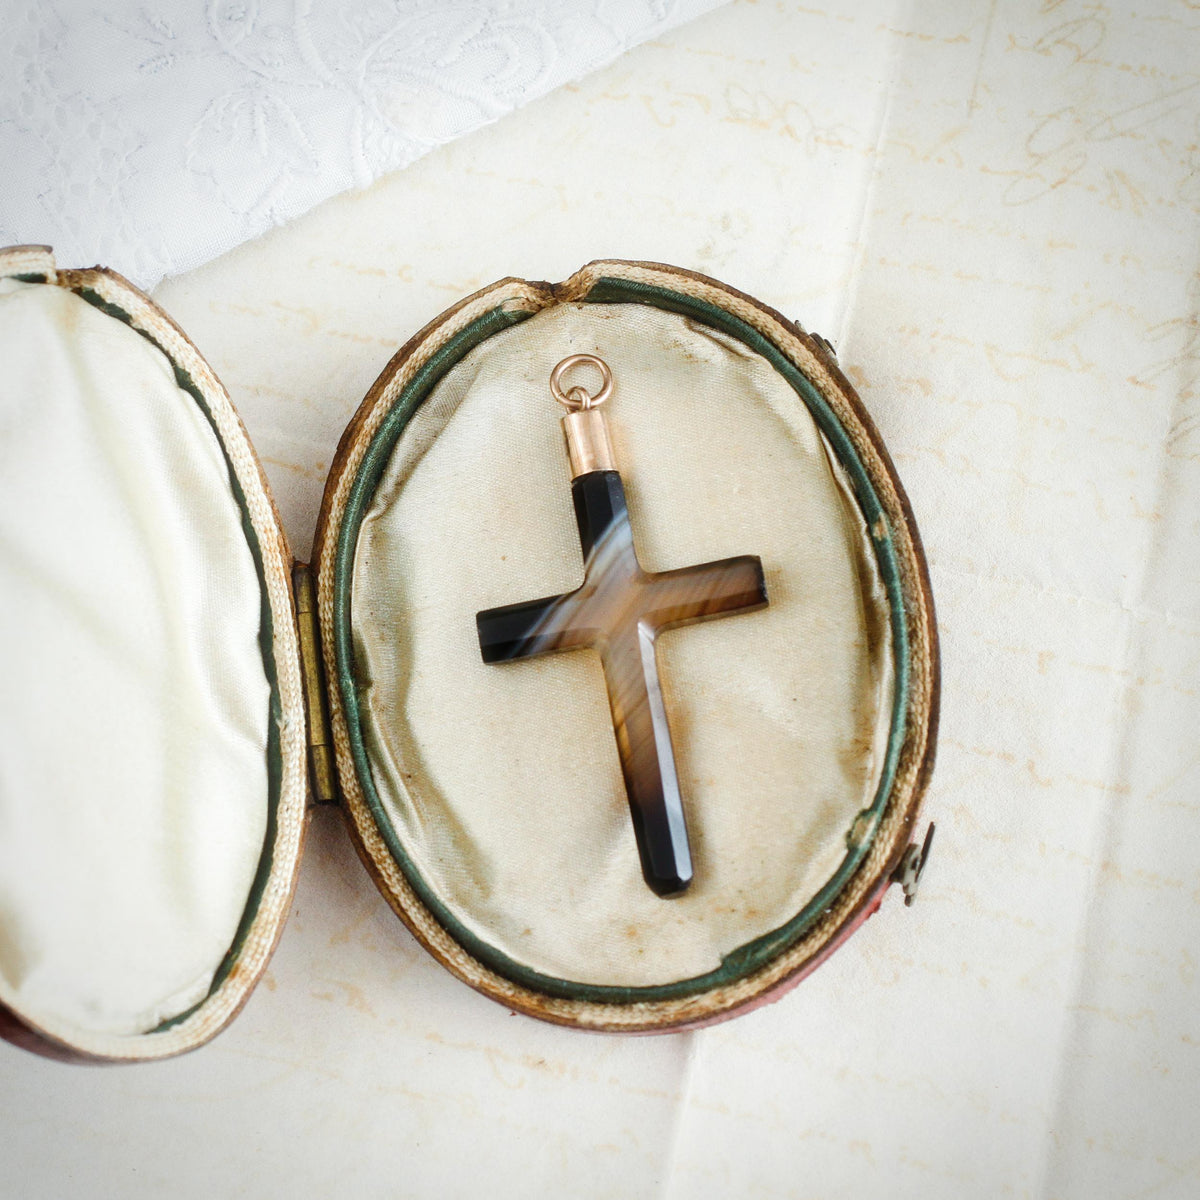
[489, 794]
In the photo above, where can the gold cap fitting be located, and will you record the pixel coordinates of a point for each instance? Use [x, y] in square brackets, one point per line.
[588, 445]
[585, 427]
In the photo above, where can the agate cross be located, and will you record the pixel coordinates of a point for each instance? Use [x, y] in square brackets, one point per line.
[619, 611]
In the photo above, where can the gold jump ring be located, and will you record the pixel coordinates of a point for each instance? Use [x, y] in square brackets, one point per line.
[576, 398]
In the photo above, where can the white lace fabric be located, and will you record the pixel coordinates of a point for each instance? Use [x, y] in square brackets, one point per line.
[153, 141]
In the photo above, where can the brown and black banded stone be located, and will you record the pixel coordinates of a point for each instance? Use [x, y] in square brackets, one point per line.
[619, 611]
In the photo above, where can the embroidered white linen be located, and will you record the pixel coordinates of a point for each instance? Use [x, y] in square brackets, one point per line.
[503, 781]
[154, 141]
[132, 823]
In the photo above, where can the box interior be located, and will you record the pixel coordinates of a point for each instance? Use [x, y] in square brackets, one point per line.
[497, 789]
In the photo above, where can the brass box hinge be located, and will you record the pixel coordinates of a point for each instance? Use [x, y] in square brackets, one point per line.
[320, 742]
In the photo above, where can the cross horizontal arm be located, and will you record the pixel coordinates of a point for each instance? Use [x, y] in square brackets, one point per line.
[715, 589]
[533, 627]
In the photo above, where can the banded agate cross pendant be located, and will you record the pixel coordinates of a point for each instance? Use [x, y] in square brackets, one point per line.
[619, 611]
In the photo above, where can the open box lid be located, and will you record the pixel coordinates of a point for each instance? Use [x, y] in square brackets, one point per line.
[419, 381]
[150, 628]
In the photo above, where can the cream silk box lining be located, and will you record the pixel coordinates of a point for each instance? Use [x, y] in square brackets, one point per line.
[132, 819]
[503, 782]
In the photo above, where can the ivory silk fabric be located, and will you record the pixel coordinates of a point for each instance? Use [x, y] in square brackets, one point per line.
[503, 781]
[132, 821]
[153, 138]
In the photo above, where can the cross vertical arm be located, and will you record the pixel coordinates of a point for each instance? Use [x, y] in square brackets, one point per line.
[647, 758]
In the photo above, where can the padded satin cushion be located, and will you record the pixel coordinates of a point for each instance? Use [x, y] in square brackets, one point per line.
[133, 714]
[503, 781]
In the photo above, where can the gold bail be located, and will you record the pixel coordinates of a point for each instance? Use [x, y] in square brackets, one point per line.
[585, 427]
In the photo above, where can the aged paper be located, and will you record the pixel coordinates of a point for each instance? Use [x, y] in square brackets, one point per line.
[992, 210]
